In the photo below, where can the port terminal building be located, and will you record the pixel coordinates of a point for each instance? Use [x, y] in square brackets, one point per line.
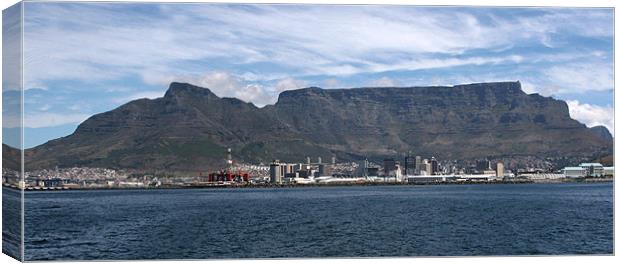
[588, 170]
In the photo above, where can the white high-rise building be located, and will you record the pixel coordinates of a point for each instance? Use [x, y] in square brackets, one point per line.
[500, 170]
[418, 163]
[276, 173]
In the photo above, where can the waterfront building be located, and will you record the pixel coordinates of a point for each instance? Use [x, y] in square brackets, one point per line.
[372, 171]
[418, 163]
[500, 170]
[409, 164]
[483, 165]
[303, 173]
[489, 172]
[588, 169]
[428, 169]
[593, 169]
[423, 168]
[432, 178]
[434, 166]
[276, 172]
[451, 178]
[302, 180]
[543, 176]
[362, 168]
[476, 177]
[573, 172]
[389, 165]
[325, 170]
[398, 174]
[291, 175]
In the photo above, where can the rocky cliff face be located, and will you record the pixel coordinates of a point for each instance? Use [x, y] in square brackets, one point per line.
[602, 132]
[190, 126]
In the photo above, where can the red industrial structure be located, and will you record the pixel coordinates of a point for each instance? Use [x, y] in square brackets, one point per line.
[229, 174]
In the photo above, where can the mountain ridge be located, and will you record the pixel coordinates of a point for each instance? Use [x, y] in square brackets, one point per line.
[188, 128]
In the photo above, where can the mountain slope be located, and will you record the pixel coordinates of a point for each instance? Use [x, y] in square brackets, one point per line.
[11, 158]
[602, 132]
[187, 128]
[190, 126]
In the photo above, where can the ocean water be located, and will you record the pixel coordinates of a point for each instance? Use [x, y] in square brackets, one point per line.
[439, 220]
[11, 223]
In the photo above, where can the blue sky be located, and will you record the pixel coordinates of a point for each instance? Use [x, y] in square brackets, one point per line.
[83, 59]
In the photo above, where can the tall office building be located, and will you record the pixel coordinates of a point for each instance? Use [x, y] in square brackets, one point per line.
[362, 168]
[483, 165]
[428, 169]
[389, 165]
[500, 170]
[418, 163]
[434, 166]
[276, 172]
[409, 167]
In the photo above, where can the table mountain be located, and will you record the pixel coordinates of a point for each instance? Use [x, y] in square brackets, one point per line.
[602, 132]
[189, 128]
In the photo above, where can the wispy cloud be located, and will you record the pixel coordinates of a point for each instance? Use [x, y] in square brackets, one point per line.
[383, 82]
[44, 119]
[592, 115]
[580, 77]
[252, 52]
[138, 95]
[289, 84]
[94, 41]
[225, 84]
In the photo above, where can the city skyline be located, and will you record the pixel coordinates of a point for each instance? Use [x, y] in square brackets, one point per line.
[561, 52]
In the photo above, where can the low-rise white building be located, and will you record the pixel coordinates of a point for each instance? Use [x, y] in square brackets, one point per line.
[544, 176]
[593, 169]
[574, 172]
[588, 169]
[426, 178]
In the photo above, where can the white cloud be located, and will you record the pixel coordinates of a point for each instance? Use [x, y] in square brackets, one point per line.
[331, 83]
[383, 82]
[44, 119]
[289, 84]
[579, 77]
[140, 95]
[592, 115]
[45, 107]
[225, 84]
[101, 41]
[414, 64]
[222, 83]
[255, 94]
[529, 87]
[431, 63]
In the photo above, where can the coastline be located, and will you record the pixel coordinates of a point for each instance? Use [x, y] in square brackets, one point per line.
[218, 186]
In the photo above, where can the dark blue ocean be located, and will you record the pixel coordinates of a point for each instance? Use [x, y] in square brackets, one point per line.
[440, 220]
